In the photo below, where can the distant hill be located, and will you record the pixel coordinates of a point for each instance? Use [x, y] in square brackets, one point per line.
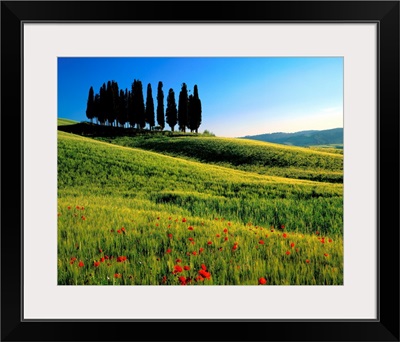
[302, 138]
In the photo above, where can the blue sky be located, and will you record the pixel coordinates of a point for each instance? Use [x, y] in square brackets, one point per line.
[239, 95]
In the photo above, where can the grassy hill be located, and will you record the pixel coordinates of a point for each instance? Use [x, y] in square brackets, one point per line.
[65, 122]
[246, 155]
[133, 216]
[332, 137]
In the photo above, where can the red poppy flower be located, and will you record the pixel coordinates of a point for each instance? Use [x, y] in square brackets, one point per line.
[307, 261]
[201, 250]
[287, 252]
[266, 235]
[83, 218]
[282, 226]
[186, 268]
[170, 236]
[177, 269]
[225, 238]
[194, 253]
[323, 240]
[326, 254]
[121, 258]
[119, 231]
[199, 278]
[191, 239]
[156, 224]
[73, 259]
[220, 249]
[234, 248]
[330, 240]
[229, 223]
[164, 279]
[262, 281]
[81, 264]
[117, 275]
[190, 228]
[284, 235]
[205, 274]
[292, 244]
[183, 220]
[209, 243]
[261, 242]
[102, 259]
[123, 229]
[178, 261]
[225, 230]
[218, 235]
[69, 208]
[192, 242]
[170, 218]
[272, 230]
[96, 264]
[77, 207]
[317, 232]
[204, 267]
[182, 280]
[168, 250]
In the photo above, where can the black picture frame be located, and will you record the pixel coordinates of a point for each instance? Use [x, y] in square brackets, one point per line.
[385, 328]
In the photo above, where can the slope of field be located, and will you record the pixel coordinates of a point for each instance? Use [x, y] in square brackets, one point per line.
[65, 122]
[246, 155]
[129, 216]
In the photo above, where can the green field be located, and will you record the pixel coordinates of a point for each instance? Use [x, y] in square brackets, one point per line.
[231, 212]
[63, 122]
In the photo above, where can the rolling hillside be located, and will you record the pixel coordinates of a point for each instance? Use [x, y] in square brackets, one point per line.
[303, 138]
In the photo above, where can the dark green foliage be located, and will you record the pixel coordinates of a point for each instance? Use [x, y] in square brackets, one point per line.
[150, 107]
[138, 104]
[171, 111]
[160, 106]
[90, 105]
[183, 109]
[122, 113]
[194, 111]
[103, 105]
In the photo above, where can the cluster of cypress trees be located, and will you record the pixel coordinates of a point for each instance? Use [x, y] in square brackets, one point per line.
[113, 106]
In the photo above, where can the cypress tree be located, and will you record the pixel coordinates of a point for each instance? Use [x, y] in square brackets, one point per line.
[138, 104]
[103, 104]
[197, 109]
[149, 107]
[131, 116]
[96, 107]
[171, 111]
[121, 109]
[90, 105]
[183, 109]
[160, 106]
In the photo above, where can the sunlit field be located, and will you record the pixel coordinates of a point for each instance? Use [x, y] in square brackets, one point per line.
[197, 211]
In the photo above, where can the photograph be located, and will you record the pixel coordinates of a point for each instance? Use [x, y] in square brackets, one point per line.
[200, 171]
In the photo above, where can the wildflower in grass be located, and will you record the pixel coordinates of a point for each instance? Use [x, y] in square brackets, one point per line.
[106, 257]
[168, 250]
[121, 258]
[234, 248]
[177, 269]
[225, 230]
[72, 260]
[317, 232]
[209, 243]
[81, 264]
[199, 278]
[261, 242]
[225, 238]
[69, 208]
[326, 254]
[287, 252]
[164, 279]
[229, 223]
[292, 244]
[119, 231]
[169, 226]
[307, 261]
[190, 228]
[77, 207]
[282, 226]
[218, 235]
[216, 219]
[158, 218]
[183, 220]
[186, 268]
[322, 240]
[123, 229]
[205, 274]
[220, 249]
[191, 239]
[117, 275]
[170, 236]
[58, 214]
[83, 218]
[194, 253]
[96, 264]
[156, 224]
[182, 280]
[284, 235]
[297, 250]
[272, 230]
[204, 267]
[178, 261]
[192, 242]
[266, 235]
[201, 250]
[262, 281]
[330, 240]
[112, 230]
[102, 259]
[170, 218]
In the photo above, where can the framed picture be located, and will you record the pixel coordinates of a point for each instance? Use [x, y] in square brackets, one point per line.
[246, 200]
